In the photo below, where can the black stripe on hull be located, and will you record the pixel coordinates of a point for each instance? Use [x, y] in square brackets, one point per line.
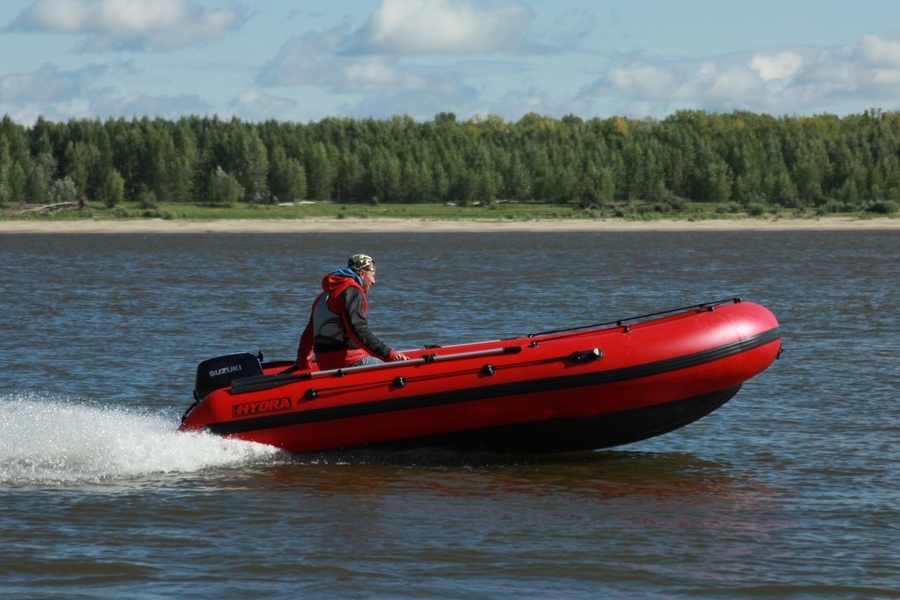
[573, 435]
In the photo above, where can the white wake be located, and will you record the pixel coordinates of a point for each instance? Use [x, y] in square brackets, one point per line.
[57, 442]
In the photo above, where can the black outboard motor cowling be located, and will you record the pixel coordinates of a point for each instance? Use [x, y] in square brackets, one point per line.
[219, 372]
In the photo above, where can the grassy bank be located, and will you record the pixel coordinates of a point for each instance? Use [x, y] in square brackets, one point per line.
[499, 211]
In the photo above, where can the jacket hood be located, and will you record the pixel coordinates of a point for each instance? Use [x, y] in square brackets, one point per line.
[341, 277]
[336, 282]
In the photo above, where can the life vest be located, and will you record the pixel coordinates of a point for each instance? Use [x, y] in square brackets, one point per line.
[328, 327]
[333, 344]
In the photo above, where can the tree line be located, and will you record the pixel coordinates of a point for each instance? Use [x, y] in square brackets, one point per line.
[741, 159]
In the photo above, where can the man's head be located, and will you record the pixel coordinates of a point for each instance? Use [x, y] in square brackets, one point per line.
[361, 262]
[365, 268]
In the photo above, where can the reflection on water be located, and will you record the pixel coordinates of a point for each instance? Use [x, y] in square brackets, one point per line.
[604, 474]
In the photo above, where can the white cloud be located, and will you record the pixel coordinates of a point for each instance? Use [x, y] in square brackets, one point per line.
[880, 51]
[416, 27]
[255, 103]
[733, 84]
[348, 74]
[373, 62]
[804, 79]
[783, 65]
[373, 74]
[58, 94]
[139, 105]
[652, 81]
[443, 93]
[298, 63]
[45, 84]
[305, 60]
[416, 57]
[131, 24]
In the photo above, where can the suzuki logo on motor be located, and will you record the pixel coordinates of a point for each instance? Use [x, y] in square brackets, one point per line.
[223, 370]
[261, 406]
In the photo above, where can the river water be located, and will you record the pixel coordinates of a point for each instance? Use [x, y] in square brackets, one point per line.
[790, 490]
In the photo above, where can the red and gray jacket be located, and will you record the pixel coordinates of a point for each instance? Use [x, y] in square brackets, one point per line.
[338, 330]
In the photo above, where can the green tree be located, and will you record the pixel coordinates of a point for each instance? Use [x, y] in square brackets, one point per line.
[348, 176]
[40, 177]
[287, 179]
[113, 189]
[320, 172]
[382, 181]
[62, 190]
[181, 165]
[79, 162]
[245, 155]
[224, 188]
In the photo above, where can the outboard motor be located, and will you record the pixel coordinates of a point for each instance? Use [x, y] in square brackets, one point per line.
[219, 372]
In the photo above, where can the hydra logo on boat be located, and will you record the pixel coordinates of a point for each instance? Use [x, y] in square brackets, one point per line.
[224, 370]
[261, 406]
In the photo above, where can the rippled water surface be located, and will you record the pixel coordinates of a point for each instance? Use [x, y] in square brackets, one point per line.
[788, 491]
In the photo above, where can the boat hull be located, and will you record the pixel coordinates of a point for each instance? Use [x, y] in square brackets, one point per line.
[572, 435]
[559, 391]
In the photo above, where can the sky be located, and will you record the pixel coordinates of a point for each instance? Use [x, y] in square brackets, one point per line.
[307, 60]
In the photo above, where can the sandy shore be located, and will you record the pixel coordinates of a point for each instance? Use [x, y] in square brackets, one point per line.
[332, 225]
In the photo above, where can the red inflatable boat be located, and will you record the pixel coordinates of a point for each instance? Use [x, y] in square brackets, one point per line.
[557, 391]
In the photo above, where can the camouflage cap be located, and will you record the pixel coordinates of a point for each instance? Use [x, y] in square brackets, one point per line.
[361, 262]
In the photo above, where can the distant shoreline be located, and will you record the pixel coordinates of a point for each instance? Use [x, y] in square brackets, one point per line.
[389, 225]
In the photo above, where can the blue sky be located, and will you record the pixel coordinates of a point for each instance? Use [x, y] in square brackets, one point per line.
[306, 60]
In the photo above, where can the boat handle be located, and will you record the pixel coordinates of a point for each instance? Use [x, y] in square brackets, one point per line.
[586, 356]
